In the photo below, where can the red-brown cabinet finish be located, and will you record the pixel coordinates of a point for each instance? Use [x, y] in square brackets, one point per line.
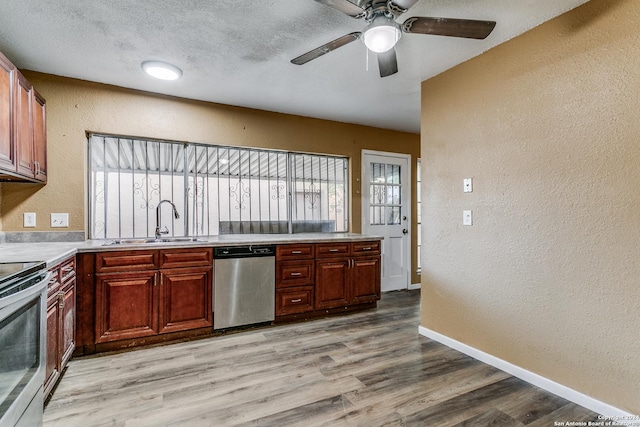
[295, 251]
[39, 165]
[332, 250]
[185, 295]
[23, 126]
[126, 305]
[52, 365]
[61, 321]
[145, 293]
[332, 283]
[121, 261]
[294, 273]
[347, 280]
[365, 282]
[7, 146]
[294, 300]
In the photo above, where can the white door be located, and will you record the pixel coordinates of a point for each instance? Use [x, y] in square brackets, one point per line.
[385, 212]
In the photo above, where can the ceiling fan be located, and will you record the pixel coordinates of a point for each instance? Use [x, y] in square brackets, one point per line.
[383, 32]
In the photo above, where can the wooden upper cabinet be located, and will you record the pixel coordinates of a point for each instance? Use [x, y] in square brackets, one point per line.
[23, 128]
[38, 106]
[7, 146]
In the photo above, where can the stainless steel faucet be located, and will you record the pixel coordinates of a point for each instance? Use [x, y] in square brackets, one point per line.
[164, 230]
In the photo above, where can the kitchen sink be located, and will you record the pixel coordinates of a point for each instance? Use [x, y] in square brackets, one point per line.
[152, 241]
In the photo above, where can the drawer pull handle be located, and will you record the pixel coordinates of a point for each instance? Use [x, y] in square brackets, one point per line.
[334, 250]
[367, 248]
[296, 274]
[296, 300]
[296, 252]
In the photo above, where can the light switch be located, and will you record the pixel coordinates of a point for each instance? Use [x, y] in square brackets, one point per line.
[468, 185]
[59, 220]
[29, 220]
[467, 218]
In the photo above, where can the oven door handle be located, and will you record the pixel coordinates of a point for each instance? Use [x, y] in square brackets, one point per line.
[27, 293]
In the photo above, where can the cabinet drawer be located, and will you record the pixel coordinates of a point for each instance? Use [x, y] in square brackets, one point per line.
[68, 271]
[190, 257]
[301, 251]
[329, 250]
[294, 273]
[365, 248]
[109, 262]
[294, 300]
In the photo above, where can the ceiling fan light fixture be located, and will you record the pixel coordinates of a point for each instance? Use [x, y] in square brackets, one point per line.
[162, 70]
[381, 35]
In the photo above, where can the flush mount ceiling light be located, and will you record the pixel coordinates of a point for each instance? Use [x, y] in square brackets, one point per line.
[381, 35]
[161, 70]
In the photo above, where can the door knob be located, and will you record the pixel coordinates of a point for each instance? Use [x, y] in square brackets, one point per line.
[405, 231]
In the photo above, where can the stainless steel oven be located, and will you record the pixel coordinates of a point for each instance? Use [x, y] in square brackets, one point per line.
[23, 292]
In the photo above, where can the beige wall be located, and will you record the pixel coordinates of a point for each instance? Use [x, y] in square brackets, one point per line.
[74, 107]
[548, 276]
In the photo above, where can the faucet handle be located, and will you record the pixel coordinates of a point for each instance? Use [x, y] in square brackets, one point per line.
[163, 230]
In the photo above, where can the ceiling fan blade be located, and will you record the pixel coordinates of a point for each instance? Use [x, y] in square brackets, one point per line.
[404, 4]
[451, 27]
[344, 6]
[387, 62]
[325, 48]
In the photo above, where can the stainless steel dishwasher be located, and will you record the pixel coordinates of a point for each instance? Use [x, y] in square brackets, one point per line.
[244, 285]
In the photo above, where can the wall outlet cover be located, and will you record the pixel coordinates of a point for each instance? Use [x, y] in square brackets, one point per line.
[29, 220]
[59, 220]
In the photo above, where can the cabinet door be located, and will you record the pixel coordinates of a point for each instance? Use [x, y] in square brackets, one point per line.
[185, 299]
[68, 322]
[7, 148]
[332, 283]
[365, 280]
[126, 305]
[53, 344]
[23, 127]
[39, 137]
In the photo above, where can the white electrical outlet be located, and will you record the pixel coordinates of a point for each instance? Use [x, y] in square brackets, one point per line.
[29, 219]
[468, 185]
[467, 218]
[59, 220]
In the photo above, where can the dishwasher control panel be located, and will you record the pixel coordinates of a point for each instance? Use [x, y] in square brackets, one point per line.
[244, 251]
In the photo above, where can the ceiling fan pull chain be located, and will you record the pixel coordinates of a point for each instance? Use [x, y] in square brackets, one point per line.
[366, 60]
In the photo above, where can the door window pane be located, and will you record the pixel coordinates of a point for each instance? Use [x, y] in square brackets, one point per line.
[385, 189]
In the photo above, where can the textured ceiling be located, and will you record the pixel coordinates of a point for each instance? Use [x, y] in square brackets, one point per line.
[237, 52]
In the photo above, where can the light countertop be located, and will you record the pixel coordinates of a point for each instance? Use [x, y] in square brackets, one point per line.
[54, 253]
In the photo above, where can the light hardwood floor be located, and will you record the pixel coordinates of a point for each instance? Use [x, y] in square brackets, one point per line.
[365, 369]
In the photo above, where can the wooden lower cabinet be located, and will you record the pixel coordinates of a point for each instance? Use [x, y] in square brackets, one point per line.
[61, 322]
[332, 283]
[147, 300]
[126, 305]
[185, 299]
[52, 366]
[342, 276]
[365, 280]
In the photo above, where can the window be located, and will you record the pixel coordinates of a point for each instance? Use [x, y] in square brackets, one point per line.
[216, 189]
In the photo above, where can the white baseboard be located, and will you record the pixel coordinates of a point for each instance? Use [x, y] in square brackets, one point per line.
[415, 286]
[565, 392]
